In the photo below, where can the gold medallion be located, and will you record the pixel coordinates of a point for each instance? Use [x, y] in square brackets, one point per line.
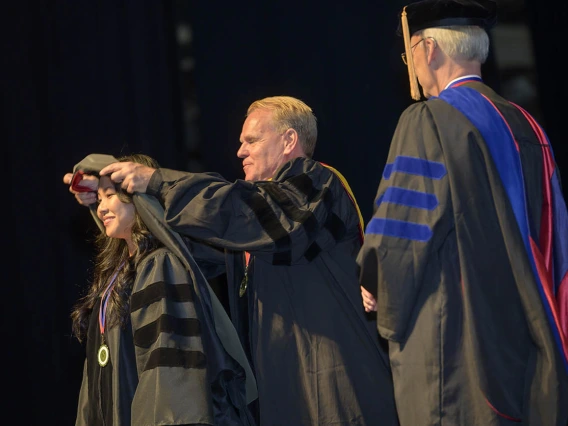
[103, 355]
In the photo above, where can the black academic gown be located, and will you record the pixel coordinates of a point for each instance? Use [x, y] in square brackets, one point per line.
[316, 360]
[158, 371]
[470, 339]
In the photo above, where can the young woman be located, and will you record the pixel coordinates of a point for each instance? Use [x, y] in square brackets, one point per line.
[140, 322]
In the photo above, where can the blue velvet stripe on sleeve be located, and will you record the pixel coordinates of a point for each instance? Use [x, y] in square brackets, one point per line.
[407, 198]
[415, 166]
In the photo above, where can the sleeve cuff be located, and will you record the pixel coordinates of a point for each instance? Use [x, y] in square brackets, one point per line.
[155, 183]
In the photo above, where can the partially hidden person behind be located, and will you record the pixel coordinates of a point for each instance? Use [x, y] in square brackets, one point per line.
[468, 243]
[148, 353]
[291, 232]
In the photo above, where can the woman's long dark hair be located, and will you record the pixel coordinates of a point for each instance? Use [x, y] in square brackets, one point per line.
[111, 254]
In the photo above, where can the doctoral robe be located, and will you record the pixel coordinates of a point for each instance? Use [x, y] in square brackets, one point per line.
[467, 248]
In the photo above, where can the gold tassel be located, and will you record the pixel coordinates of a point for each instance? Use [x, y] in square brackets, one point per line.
[414, 90]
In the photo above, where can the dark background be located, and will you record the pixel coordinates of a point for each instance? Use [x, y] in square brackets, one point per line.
[119, 77]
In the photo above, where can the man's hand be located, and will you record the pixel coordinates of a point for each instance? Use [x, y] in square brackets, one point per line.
[134, 177]
[84, 198]
[369, 301]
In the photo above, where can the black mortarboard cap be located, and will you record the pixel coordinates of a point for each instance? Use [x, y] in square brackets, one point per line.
[443, 13]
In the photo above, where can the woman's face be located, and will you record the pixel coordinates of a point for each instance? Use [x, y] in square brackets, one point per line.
[117, 217]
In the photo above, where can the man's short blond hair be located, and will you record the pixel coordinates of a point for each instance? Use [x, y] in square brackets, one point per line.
[289, 112]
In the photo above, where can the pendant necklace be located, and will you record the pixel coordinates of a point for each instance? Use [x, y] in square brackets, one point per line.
[103, 353]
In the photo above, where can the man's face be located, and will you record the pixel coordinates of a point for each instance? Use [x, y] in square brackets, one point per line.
[262, 147]
[421, 67]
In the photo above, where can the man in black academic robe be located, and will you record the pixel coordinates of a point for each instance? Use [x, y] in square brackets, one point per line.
[468, 245]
